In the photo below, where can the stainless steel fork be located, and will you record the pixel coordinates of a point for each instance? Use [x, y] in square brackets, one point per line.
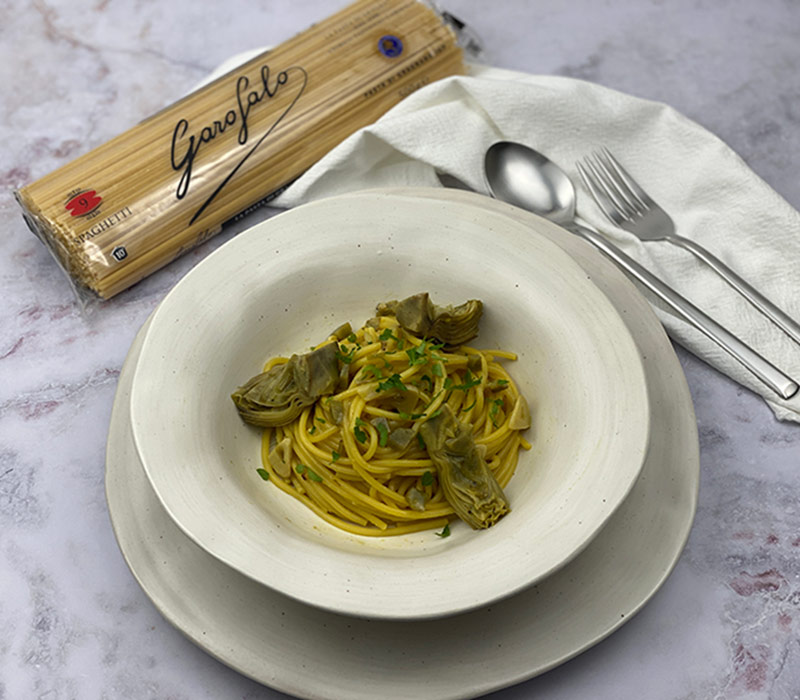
[628, 206]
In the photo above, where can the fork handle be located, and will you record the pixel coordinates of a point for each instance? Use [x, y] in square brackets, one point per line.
[784, 321]
[760, 367]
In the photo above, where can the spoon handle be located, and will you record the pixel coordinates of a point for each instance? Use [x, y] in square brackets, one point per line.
[760, 367]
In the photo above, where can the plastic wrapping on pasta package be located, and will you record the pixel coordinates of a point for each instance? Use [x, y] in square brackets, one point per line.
[125, 209]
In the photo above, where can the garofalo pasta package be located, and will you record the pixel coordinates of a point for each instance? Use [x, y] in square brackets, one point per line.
[120, 212]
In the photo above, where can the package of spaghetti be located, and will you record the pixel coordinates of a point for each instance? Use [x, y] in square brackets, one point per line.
[120, 212]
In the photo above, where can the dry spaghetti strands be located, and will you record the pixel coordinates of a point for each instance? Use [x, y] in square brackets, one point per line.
[120, 212]
[342, 464]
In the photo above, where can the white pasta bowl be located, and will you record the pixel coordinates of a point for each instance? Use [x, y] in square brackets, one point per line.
[284, 285]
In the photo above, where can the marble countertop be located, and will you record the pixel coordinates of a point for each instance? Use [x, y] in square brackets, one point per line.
[75, 624]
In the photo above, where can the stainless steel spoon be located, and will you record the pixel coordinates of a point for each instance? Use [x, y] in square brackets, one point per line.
[525, 178]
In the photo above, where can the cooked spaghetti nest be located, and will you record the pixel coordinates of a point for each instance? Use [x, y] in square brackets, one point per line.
[357, 458]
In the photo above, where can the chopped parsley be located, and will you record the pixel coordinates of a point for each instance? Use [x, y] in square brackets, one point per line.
[393, 382]
[303, 469]
[344, 355]
[469, 382]
[361, 436]
[494, 409]
[437, 370]
[263, 473]
[445, 532]
[334, 456]
[383, 434]
[416, 354]
[352, 338]
[387, 335]
[427, 478]
[421, 441]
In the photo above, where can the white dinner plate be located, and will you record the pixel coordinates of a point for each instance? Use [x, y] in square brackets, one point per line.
[270, 637]
[284, 285]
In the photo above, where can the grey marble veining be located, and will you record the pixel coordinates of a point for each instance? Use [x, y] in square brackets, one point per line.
[74, 622]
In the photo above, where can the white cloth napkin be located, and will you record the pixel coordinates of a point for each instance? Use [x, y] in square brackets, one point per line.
[711, 194]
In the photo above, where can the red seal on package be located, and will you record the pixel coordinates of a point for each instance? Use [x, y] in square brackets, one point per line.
[83, 203]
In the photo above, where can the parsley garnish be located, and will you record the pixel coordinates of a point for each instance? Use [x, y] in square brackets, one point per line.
[393, 382]
[344, 356]
[501, 382]
[421, 441]
[445, 532]
[416, 355]
[387, 335]
[437, 370]
[303, 469]
[427, 478]
[334, 456]
[470, 407]
[312, 430]
[383, 434]
[361, 436]
[469, 382]
[493, 410]
[263, 473]
[352, 338]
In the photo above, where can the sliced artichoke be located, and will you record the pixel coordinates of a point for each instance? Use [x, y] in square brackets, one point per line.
[277, 397]
[400, 438]
[280, 457]
[452, 325]
[416, 499]
[467, 482]
[520, 418]
[342, 331]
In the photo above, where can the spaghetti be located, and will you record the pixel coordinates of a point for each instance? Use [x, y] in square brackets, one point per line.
[357, 457]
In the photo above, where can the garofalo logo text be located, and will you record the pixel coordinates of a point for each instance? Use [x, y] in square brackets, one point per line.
[186, 145]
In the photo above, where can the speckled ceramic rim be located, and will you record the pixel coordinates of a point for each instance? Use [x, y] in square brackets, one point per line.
[290, 280]
[270, 638]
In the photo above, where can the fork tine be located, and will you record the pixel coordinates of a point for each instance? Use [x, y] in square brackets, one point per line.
[634, 205]
[625, 177]
[603, 182]
[606, 205]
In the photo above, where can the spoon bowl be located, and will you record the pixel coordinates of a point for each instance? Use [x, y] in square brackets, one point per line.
[523, 177]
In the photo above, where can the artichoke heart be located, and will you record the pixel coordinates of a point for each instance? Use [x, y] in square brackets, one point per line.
[276, 397]
[452, 325]
[467, 482]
